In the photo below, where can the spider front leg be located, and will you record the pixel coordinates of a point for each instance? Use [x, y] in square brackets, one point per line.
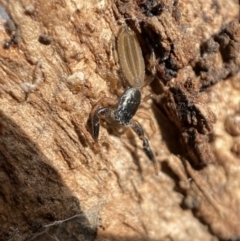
[137, 128]
[95, 120]
[101, 108]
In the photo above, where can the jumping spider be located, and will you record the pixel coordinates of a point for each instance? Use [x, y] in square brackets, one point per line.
[133, 69]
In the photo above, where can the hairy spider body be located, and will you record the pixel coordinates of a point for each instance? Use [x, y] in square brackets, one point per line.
[133, 69]
[127, 106]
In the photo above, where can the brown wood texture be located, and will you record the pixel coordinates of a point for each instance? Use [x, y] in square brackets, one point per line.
[56, 183]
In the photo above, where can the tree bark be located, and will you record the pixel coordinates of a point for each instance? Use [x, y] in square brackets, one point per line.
[57, 61]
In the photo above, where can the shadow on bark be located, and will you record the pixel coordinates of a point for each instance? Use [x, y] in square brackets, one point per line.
[32, 193]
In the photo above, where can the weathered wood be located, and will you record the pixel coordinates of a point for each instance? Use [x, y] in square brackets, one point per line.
[55, 180]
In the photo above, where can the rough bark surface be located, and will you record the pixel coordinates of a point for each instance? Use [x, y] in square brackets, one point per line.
[56, 183]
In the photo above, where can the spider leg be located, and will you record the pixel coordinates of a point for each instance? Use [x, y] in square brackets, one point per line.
[152, 66]
[145, 115]
[95, 120]
[137, 128]
[97, 111]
